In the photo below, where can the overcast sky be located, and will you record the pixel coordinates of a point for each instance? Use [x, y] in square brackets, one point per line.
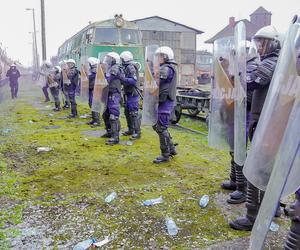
[66, 17]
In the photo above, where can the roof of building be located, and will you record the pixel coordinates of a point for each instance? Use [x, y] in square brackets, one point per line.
[168, 20]
[203, 52]
[260, 10]
[251, 29]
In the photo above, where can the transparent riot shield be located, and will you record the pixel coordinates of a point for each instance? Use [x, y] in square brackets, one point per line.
[274, 116]
[151, 87]
[100, 94]
[284, 178]
[64, 71]
[240, 97]
[84, 86]
[221, 117]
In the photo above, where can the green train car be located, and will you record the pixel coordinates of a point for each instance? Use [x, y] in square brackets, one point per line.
[104, 36]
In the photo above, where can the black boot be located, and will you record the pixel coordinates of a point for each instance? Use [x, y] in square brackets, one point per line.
[107, 134]
[134, 117]
[288, 211]
[57, 107]
[107, 124]
[12, 93]
[239, 195]
[129, 123]
[164, 147]
[172, 147]
[230, 185]
[73, 109]
[293, 237]
[73, 113]
[252, 204]
[67, 105]
[95, 119]
[278, 210]
[115, 129]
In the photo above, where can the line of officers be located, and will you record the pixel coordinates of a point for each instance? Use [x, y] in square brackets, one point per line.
[259, 73]
[121, 73]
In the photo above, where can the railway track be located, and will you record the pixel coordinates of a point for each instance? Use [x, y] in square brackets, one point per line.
[189, 129]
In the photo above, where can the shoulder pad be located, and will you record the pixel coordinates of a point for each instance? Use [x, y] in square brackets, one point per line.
[131, 71]
[265, 70]
[114, 70]
[164, 71]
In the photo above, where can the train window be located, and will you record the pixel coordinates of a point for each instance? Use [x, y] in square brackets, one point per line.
[106, 36]
[130, 36]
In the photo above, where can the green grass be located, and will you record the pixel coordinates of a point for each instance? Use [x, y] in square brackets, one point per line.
[83, 170]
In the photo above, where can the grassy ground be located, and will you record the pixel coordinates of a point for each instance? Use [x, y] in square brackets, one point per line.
[53, 200]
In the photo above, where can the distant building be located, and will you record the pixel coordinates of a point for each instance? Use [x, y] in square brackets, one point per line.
[181, 38]
[203, 66]
[258, 19]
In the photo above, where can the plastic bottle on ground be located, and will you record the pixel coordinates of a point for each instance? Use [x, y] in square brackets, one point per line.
[171, 226]
[111, 197]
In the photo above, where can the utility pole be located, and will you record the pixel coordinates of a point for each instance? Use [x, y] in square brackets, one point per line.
[44, 55]
[35, 43]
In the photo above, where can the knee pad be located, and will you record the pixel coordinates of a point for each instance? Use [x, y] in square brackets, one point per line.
[158, 128]
[113, 117]
[134, 113]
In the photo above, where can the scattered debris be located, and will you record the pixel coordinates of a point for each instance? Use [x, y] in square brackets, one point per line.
[83, 245]
[50, 114]
[274, 227]
[152, 202]
[44, 149]
[30, 121]
[129, 143]
[171, 227]
[102, 242]
[6, 130]
[62, 118]
[111, 197]
[204, 201]
[51, 127]
[84, 116]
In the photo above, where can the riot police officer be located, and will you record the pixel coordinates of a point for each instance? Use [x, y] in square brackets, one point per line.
[131, 95]
[237, 180]
[93, 63]
[54, 83]
[167, 98]
[46, 68]
[268, 46]
[13, 74]
[112, 113]
[70, 85]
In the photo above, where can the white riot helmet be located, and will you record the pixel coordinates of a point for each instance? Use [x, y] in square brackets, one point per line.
[126, 56]
[57, 68]
[71, 61]
[166, 52]
[60, 63]
[13, 65]
[47, 64]
[267, 40]
[93, 61]
[112, 58]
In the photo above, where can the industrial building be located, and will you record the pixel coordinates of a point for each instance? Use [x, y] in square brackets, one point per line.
[181, 38]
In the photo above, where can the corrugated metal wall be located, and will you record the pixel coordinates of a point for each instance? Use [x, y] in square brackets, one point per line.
[184, 47]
